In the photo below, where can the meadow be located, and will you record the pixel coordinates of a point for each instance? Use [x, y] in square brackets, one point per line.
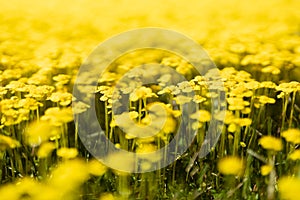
[256, 48]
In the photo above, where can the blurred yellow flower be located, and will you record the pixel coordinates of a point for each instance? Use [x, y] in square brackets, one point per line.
[295, 155]
[69, 175]
[67, 153]
[201, 116]
[266, 169]
[8, 142]
[45, 149]
[231, 165]
[289, 188]
[38, 132]
[270, 143]
[107, 196]
[96, 168]
[292, 135]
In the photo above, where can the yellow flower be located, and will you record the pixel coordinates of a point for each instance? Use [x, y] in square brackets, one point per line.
[266, 169]
[38, 132]
[292, 135]
[231, 165]
[106, 196]
[68, 175]
[45, 149]
[96, 168]
[295, 155]
[141, 93]
[201, 116]
[181, 99]
[270, 69]
[264, 100]
[57, 116]
[79, 107]
[270, 143]
[8, 142]
[289, 188]
[63, 98]
[67, 153]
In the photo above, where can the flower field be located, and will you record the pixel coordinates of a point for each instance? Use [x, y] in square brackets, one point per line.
[44, 153]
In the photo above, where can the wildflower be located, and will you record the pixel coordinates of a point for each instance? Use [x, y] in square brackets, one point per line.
[79, 107]
[267, 84]
[38, 132]
[63, 98]
[67, 153]
[199, 99]
[270, 143]
[201, 116]
[62, 79]
[185, 86]
[266, 169]
[270, 69]
[295, 155]
[68, 175]
[57, 116]
[45, 149]
[107, 196]
[8, 142]
[231, 166]
[140, 93]
[96, 168]
[180, 99]
[292, 135]
[265, 100]
[289, 188]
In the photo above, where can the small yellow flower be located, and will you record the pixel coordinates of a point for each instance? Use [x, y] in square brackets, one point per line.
[295, 155]
[231, 165]
[292, 135]
[107, 196]
[201, 116]
[270, 143]
[271, 69]
[67, 153]
[289, 188]
[96, 168]
[266, 169]
[8, 142]
[68, 175]
[45, 149]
